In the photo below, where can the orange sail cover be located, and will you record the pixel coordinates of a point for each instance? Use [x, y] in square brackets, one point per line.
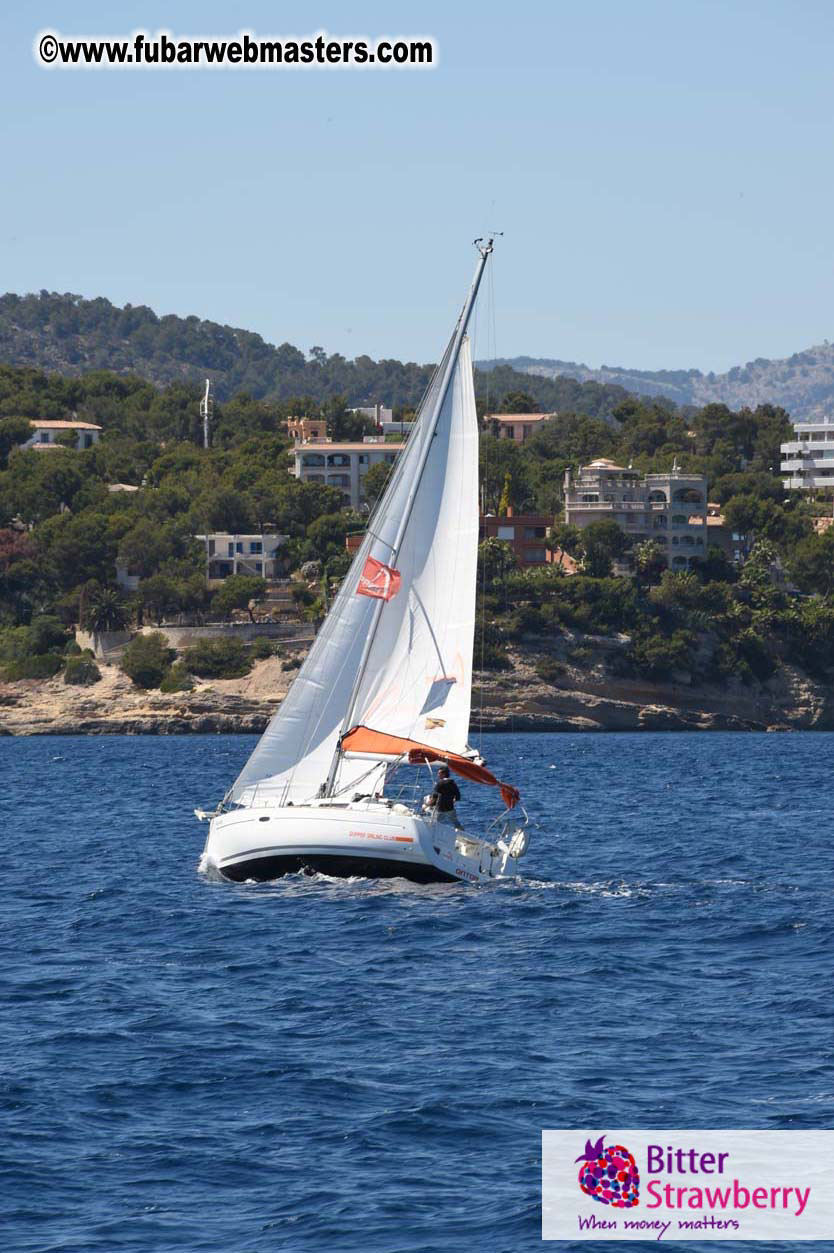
[365, 740]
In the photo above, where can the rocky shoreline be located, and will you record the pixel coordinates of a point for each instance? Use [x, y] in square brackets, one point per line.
[514, 700]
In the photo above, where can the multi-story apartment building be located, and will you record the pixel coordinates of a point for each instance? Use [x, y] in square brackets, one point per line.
[670, 508]
[343, 465]
[808, 460]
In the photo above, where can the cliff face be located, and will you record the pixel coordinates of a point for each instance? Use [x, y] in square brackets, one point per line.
[589, 700]
[116, 706]
[579, 699]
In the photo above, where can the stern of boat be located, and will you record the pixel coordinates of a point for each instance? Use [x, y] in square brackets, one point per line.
[480, 860]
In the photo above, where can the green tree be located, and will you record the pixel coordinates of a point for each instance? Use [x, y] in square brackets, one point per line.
[602, 543]
[298, 504]
[23, 648]
[326, 536]
[177, 679]
[47, 632]
[747, 483]
[81, 671]
[498, 458]
[649, 427]
[144, 547]
[659, 656]
[679, 592]
[570, 439]
[342, 423]
[77, 548]
[35, 666]
[757, 517]
[225, 509]
[13, 432]
[496, 560]
[565, 538]
[716, 566]
[239, 591]
[812, 564]
[147, 658]
[374, 482]
[811, 632]
[104, 609]
[262, 647]
[159, 596]
[745, 514]
[518, 402]
[759, 565]
[649, 561]
[223, 658]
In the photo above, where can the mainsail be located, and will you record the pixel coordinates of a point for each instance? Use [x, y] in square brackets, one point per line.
[395, 651]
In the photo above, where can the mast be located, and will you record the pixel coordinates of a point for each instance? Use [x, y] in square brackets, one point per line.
[484, 248]
[207, 412]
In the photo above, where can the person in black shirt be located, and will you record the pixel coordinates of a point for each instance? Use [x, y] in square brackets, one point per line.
[444, 796]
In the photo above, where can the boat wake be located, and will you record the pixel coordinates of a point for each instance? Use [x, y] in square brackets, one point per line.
[318, 883]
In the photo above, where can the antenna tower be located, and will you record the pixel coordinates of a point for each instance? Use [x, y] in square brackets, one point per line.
[207, 412]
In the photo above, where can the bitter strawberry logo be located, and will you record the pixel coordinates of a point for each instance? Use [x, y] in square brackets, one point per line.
[609, 1175]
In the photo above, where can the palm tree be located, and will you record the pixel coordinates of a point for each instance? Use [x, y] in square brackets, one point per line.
[106, 611]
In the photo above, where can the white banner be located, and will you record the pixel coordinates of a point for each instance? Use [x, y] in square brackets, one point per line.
[687, 1185]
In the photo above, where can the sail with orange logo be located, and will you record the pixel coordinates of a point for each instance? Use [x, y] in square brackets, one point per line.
[378, 580]
[395, 651]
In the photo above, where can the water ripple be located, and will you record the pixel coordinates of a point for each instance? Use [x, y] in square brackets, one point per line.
[320, 1064]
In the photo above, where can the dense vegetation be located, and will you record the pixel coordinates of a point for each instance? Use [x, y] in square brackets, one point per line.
[62, 532]
[738, 452]
[690, 627]
[708, 624]
[75, 336]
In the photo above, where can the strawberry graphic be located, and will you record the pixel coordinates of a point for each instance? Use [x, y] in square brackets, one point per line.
[609, 1175]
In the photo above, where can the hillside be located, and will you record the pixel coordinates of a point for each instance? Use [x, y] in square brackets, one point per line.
[803, 384]
[68, 335]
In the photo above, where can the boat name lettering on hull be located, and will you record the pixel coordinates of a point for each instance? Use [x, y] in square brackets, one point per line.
[378, 835]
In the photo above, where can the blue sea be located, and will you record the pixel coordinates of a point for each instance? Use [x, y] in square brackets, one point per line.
[325, 1065]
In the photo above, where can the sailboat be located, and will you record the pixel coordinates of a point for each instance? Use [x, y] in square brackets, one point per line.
[386, 685]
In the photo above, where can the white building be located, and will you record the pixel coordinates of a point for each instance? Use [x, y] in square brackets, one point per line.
[808, 460]
[45, 434]
[377, 413]
[256, 554]
[343, 465]
[669, 508]
[403, 429]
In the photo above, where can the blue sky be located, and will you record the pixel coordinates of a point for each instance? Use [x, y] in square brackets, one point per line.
[662, 171]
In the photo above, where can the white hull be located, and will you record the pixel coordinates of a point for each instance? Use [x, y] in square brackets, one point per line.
[367, 839]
